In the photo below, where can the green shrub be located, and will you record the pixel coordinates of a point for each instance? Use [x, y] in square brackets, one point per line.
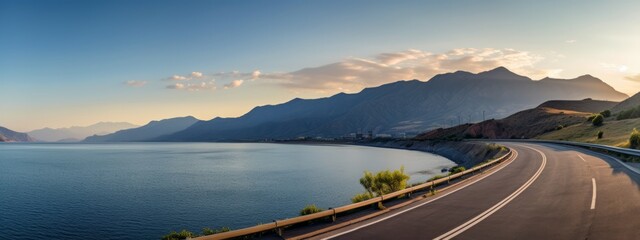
[310, 209]
[597, 120]
[209, 231]
[600, 134]
[456, 169]
[634, 139]
[184, 234]
[384, 182]
[361, 197]
[606, 113]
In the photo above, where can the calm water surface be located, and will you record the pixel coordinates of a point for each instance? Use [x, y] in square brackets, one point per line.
[145, 190]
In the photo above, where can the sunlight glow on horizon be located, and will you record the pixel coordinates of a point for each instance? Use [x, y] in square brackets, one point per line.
[128, 61]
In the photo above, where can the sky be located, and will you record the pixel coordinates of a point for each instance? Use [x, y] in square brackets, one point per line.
[76, 63]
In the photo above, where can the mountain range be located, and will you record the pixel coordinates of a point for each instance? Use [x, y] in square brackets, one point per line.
[74, 134]
[152, 130]
[400, 107]
[8, 135]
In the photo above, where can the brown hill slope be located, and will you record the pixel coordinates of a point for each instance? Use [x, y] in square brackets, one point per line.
[524, 124]
[616, 133]
[629, 103]
[587, 105]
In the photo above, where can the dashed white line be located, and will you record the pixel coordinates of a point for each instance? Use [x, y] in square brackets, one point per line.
[465, 226]
[593, 197]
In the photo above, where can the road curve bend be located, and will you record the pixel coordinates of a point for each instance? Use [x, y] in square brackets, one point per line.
[547, 191]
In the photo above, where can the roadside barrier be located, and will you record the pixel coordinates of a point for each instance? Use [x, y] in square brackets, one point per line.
[279, 225]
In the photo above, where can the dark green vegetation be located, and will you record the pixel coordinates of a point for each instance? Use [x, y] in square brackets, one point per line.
[310, 209]
[634, 139]
[600, 134]
[184, 234]
[457, 169]
[597, 120]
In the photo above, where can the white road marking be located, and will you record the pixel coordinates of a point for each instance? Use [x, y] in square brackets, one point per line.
[582, 158]
[465, 226]
[593, 197]
[513, 157]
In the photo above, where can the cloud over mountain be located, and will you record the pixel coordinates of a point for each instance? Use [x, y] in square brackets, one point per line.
[354, 74]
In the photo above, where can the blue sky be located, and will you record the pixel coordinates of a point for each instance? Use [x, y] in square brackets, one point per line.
[65, 63]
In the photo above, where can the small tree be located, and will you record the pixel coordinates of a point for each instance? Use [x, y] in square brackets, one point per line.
[384, 182]
[598, 120]
[600, 134]
[606, 113]
[634, 139]
[309, 209]
[361, 197]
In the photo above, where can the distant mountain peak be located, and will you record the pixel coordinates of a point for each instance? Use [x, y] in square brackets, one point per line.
[501, 73]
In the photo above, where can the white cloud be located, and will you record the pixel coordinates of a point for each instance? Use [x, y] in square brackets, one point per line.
[196, 74]
[353, 74]
[200, 86]
[234, 84]
[570, 41]
[255, 74]
[135, 83]
[178, 78]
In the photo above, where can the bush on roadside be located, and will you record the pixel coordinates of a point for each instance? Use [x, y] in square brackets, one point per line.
[384, 182]
[606, 113]
[310, 209]
[209, 231]
[361, 197]
[634, 139]
[597, 120]
[600, 134]
[456, 169]
[184, 234]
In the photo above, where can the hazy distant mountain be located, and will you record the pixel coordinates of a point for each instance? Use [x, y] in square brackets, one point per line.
[7, 135]
[404, 106]
[78, 133]
[627, 104]
[152, 130]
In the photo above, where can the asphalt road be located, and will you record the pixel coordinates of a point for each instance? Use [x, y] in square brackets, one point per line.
[547, 192]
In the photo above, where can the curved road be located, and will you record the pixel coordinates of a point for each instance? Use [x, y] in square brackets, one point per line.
[546, 192]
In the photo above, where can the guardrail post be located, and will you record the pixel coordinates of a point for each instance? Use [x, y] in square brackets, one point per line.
[333, 217]
[448, 179]
[278, 230]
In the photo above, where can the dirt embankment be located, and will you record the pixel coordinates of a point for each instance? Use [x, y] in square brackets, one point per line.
[467, 154]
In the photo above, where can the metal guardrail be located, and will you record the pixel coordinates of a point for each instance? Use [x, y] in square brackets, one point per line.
[627, 151]
[279, 225]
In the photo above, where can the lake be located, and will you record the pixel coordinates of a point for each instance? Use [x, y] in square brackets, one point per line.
[145, 190]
